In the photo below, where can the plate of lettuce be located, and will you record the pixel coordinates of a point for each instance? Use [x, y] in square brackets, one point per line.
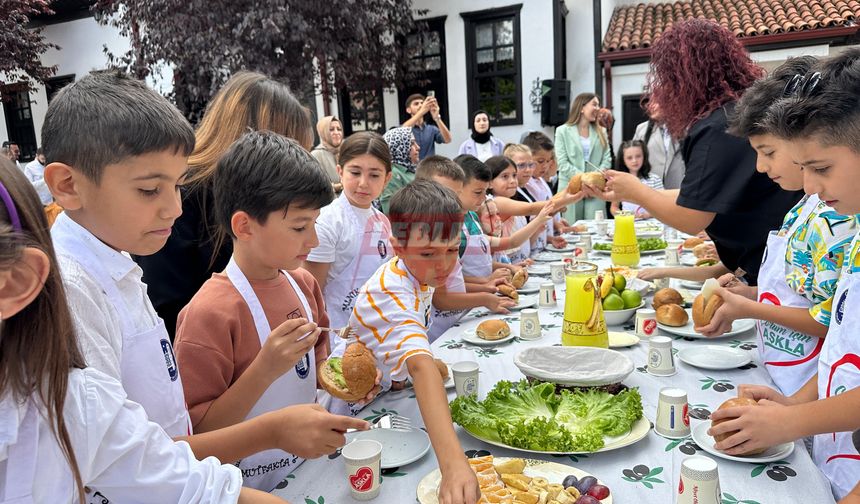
[536, 419]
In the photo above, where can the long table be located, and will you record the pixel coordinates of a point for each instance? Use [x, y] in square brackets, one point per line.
[647, 471]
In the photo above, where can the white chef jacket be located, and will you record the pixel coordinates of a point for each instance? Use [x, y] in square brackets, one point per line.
[118, 451]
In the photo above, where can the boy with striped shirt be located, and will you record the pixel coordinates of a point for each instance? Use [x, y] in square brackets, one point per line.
[392, 315]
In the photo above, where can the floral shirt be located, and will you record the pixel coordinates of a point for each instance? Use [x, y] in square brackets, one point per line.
[815, 253]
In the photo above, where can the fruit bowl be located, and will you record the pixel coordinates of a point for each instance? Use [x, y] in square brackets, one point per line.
[620, 317]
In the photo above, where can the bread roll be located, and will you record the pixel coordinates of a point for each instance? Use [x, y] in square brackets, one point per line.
[509, 291]
[666, 296]
[575, 184]
[594, 179]
[442, 367]
[350, 377]
[492, 330]
[693, 242]
[672, 315]
[732, 403]
[704, 309]
[519, 279]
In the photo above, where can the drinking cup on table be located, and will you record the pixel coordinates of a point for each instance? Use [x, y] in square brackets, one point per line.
[660, 359]
[700, 481]
[362, 458]
[546, 295]
[529, 324]
[599, 215]
[661, 283]
[465, 378]
[673, 419]
[556, 271]
[602, 228]
[646, 322]
[585, 244]
[673, 256]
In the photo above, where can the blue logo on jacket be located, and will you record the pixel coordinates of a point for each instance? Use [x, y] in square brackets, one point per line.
[303, 368]
[840, 306]
[169, 360]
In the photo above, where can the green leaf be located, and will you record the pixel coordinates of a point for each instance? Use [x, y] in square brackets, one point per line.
[649, 486]
[653, 480]
[758, 470]
[655, 472]
[729, 497]
[748, 502]
[673, 444]
[631, 480]
[322, 500]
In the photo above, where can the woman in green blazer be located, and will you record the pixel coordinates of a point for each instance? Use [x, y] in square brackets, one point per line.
[581, 146]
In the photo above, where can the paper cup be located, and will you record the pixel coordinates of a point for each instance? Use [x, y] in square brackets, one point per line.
[660, 360]
[465, 378]
[529, 324]
[673, 419]
[602, 228]
[699, 482]
[362, 459]
[673, 256]
[599, 215]
[546, 297]
[646, 322]
[556, 272]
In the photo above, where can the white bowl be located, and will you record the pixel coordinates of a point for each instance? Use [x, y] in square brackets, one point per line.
[574, 366]
[620, 317]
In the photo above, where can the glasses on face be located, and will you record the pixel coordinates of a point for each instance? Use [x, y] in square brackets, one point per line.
[802, 85]
[525, 166]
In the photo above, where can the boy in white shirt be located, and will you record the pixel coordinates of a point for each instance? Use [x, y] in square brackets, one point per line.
[117, 154]
[393, 311]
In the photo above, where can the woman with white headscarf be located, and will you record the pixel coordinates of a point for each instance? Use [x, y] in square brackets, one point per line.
[404, 156]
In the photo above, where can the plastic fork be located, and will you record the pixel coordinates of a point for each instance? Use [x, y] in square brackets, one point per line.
[389, 421]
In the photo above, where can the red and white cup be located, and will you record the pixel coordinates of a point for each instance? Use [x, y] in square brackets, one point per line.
[673, 418]
[362, 458]
[699, 482]
[646, 322]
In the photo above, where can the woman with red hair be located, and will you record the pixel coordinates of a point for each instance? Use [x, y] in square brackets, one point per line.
[698, 71]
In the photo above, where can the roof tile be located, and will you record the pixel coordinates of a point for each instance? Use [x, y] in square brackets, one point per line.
[640, 25]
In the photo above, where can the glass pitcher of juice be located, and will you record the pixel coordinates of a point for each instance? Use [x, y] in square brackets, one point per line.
[625, 247]
[584, 324]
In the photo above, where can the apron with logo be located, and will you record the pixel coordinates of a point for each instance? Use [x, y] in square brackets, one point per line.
[266, 469]
[477, 260]
[148, 367]
[838, 454]
[21, 461]
[788, 355]
[371, 253]
[442, 320]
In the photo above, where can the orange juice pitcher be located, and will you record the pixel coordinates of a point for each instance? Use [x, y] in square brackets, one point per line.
[625, 247]
[584, 324]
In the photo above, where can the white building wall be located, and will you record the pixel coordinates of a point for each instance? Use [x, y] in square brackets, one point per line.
[536, 50]
[81, 50]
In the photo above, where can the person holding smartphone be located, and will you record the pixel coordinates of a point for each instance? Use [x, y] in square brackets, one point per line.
[427, 135]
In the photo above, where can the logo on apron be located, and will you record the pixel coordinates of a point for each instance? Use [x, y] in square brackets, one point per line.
[855, 438]
[840, 307]
[484, 246]
[381, 248]
[303, 367]
[169, 360]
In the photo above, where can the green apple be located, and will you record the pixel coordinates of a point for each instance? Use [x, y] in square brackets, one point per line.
[631, 299]
[613, 302]
[620, 282]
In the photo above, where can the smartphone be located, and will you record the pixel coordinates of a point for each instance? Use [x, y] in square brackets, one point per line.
[431, 93]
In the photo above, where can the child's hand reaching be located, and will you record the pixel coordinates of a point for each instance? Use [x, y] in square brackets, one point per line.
[730, 282]
[285, 346]
[652, 273]
[734, 307]
[558, 241]
[309, 431]
[768, 424]
[499, 304]
[459, 485]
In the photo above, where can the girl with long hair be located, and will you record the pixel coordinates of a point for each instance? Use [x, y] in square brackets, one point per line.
[698, 71]
[70, 425]
[581, 145]
[633, 158]
[248, 101]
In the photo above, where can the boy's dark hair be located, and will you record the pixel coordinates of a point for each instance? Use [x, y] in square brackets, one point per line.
[427, 206]
[823, 105]
[40, 151]
[498, 164]
[537, 140]
[263, 172]
[364, 142]
[474, 168]
[747, 118]
[8, 143]
[107, 117]
[439, 166]
[412, 98]
[645, 170]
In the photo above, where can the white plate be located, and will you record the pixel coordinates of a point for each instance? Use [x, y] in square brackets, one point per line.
[567, 248]
[622, 339]
[689, 284]
[531, 286]
[688, 260]
[706, 442]
[552, 471]
[539, 269]
[638, 432]
[714, 357]
[527, 301]
[399, 447]
[738, 326]
[548, 256]
[469, 336]
[449, 383]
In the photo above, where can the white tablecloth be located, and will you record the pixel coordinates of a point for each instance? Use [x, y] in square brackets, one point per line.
[647, 471]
